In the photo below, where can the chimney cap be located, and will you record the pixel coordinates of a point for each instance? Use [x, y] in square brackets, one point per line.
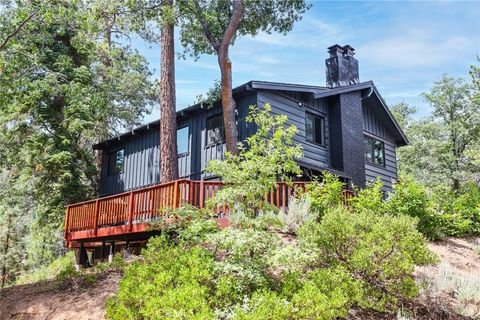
[349, 50]
[335, 50]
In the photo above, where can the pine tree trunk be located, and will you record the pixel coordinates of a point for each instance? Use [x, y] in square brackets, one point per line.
[228, 103]
[5, 250]
[168, 118]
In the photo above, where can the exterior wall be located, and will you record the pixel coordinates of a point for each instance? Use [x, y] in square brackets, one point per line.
[315, 155]
[141, 167]
[373, 127]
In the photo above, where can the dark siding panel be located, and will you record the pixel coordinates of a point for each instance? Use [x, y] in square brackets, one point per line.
[388, 174]
[315, 155]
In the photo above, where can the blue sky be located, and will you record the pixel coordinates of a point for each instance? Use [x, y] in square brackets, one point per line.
[402, 46]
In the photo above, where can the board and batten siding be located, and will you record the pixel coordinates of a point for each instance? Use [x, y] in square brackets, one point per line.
[373, 127]
[315, 156]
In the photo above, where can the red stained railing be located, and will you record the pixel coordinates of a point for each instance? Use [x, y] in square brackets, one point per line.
[143, 205]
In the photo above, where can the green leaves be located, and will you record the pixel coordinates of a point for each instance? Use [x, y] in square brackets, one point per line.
[265, 157]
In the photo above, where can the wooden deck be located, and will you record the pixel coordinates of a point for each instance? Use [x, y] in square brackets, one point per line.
[131, 212]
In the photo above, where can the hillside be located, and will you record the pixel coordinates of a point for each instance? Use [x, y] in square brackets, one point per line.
[452, 280]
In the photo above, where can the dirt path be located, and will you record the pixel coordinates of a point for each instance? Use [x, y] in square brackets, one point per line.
[44, 301]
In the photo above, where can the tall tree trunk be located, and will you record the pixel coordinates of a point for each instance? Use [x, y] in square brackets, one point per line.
[228, 103]
[168, 117]
[5, 250]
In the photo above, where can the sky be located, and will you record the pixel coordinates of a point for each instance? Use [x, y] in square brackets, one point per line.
[402, 46]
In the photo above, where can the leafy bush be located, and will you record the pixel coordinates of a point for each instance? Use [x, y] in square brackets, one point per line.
[410, 198]
[172, 282]
[59, 269]
[326, 294]
[265, 157]
[380, 251]
[264, 304]
[325, 194]
[370, 198]
[296, 215]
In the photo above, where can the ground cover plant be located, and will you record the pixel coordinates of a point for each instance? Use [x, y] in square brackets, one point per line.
[317, 260]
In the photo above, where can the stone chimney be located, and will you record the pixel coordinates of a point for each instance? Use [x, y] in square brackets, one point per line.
[342, 67]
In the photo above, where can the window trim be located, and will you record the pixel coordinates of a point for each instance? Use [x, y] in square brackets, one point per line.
[223, 140]
[322, 144]
[188, 141]
[115, 153]
[373, 139]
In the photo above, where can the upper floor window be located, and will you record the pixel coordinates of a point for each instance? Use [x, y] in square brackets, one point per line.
[215, 130]
[374, 151]
[116, 162]
[182, 140]
[315, 128]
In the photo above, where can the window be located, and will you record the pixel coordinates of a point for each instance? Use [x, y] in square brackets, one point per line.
[215, 130]
[314, 128]
[116, 162]
[374, 151]
[182, 140]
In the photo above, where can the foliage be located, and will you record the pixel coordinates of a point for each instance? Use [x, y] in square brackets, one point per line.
[63, 89]
[445, 146]
[326, 294]
[370, 198]
[58, 269]
[297, 213]
[243, 262]
[264, 304]
[264, 157]
[325, 194]
[172, 282]
[266, 16]
[379, 251]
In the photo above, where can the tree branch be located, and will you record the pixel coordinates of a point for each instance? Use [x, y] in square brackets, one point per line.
[18, 29]
[235, 20]
[211, 38]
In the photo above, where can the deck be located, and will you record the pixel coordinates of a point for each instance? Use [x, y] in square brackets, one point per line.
[132, 212]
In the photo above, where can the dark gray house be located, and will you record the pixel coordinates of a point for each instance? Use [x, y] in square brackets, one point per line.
[345, 128]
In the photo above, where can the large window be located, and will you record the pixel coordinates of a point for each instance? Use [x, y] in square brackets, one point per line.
[374, 151]
[314, 129]
[182, 140]
[215, 130]
[116, 162]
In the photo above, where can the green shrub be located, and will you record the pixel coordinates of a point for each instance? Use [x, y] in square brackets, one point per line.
[242, 262]
[265, 157]
[410, 198]
[325, 194]
[370, 198]
[380, 251]
[264, 304]
[59, 268]
[172, 282]
[326, 294]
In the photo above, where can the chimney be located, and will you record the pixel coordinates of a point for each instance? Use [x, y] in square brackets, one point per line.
[342, 67]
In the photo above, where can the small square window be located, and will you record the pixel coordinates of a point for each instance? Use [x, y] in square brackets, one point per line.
[182, 140]
[215, 130]
[116, 162]
[314, 129]
[374, 151]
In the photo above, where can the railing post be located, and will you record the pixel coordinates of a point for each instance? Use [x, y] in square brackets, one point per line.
[95, 224]
[201, 194]
[131, 203]
[67, 221]
[175, 195]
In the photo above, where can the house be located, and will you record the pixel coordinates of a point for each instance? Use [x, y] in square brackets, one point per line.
[344, 127]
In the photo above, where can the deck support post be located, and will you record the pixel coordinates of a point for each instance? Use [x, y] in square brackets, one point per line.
[112, 251]
[67, 222]
[104, 247]
[82, 256]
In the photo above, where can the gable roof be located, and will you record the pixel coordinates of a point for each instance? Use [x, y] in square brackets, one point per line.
[317, 91]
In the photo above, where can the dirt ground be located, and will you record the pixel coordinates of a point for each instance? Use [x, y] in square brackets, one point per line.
[44, 301]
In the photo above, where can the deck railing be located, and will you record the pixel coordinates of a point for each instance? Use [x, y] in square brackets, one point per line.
[143, 205]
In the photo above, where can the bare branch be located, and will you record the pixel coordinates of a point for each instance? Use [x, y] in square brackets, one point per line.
[211, 38]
